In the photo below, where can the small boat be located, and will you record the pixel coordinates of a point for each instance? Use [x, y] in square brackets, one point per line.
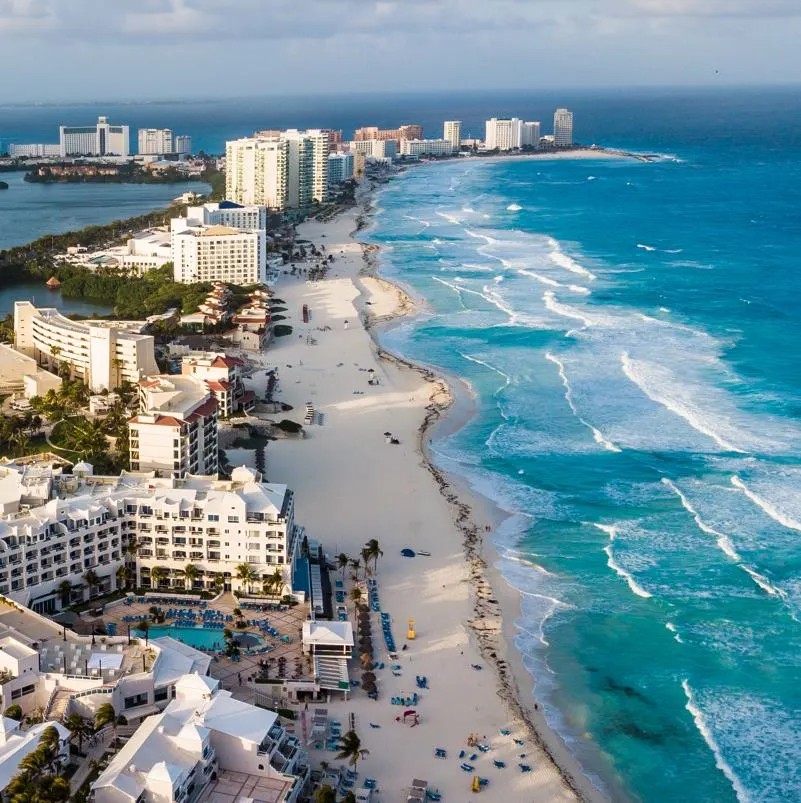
[424, 554]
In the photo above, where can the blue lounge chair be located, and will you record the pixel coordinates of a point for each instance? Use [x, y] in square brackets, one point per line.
[499, 764]
[440, 752]
[467, 767]
[525, 768]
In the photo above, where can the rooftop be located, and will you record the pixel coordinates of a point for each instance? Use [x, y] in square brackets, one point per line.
[331, 633]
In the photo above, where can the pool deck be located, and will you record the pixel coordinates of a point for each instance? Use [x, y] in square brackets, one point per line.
[288, 623]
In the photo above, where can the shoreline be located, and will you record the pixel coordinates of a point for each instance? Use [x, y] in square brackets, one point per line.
[477, 517]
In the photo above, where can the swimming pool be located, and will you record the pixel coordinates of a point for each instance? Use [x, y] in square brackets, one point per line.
[200, 637]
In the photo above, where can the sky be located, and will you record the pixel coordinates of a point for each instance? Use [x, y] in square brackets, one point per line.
[64, 50]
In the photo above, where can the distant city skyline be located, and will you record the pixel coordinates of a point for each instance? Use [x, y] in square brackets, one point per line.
[322, 45]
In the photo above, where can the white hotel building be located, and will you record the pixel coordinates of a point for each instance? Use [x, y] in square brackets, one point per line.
[175, 432]
[452, 131]
[503, 135]
[101, 139]
[426, 147]
[56, 527]
[562, 128]
[228, 213]
[101, 354]
[340, 168]
[217, 253]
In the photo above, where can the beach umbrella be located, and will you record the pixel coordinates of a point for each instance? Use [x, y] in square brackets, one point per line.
[369, 687]
[407, 553]
[369, 677]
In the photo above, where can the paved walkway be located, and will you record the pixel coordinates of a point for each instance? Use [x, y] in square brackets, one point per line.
[93, 753]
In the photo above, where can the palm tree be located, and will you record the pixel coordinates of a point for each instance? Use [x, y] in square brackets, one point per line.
[342, 563]
[106, 715]
[79, 728]
[121, 576]
[350, 748]
[276, 582]
[374, 552]
[91, 580]
[365, 553]
[144, 626]
[245, 574]
[355, 564]
[218, 584]
[65, 592]
[158, 576]
[325, 794]
[356, 595]
[191, 573]
[50, 745]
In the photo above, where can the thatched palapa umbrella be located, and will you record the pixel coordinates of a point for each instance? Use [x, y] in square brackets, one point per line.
[368, 677]
[369, 687]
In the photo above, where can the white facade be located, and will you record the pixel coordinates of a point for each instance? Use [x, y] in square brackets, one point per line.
[375, 148]
[530, 135]
[503, 135]
[155, 141]
[223, 378]
[173, 755]
[175, 432]
[218, 253]
[54, 528]
[36, 150]
[144, 251]
[452, 131]
[256, 171]
[426, 147]
[227, 213]
[182, 144]
[340, 167]
[562, 127]
[101, 139]
[103, 355]
[307, 164]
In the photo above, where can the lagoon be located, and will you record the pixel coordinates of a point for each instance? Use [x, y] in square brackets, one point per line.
[41, 296]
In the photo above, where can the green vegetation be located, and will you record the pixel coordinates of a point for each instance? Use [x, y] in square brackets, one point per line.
[14, 711]
[289, 426]
[135, 296]
[129, 173]
[16, 434]
[37, 780]
[282, 330]
[350, 748]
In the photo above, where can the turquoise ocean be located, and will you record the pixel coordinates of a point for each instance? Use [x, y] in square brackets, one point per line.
[631, 332]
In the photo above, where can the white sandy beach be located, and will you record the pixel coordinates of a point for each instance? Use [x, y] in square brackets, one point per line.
[352, 486]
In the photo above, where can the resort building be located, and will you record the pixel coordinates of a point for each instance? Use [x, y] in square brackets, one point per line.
[285, 170]
[176, 755]
[15, 744]
[102, 354]
[330, 646]
[426, 147]
[144, 251]
[530, 135]
[562, 128]
[217, 253]
[375, 148]
[228, 213]
[101, 139]
[22, 374]
[366, 133]
[503, 135]
[55, 527]
[175, 432]
[340, 167]
[162, 141]
[34, 151]
[223, 377]
[452, 131]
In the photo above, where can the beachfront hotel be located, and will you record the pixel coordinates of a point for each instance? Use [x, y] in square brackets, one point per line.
[503, 135]
[285, 170]
[452, 131]
[222, 375]
[101, 139]
[203, 732]
[340, 167]
[530, 135]
[175, 432]
[228, 213]
[375, 149]
[562, 128]
[162, 141]
[55, 527]
[370, 132]
[426, 147]
[101, 354]
[217, 253]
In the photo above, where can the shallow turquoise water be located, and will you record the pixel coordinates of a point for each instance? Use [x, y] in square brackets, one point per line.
[197, 636]
[630, 331]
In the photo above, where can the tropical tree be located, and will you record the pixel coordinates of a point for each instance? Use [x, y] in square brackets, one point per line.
[191, 573]
[121, 576]
[91, 581]
[374, 552]
[350, 748]
[325, 794]
[218, 584]
[365, 553]
[144, 626]
[246, 575]
[50, 745]
[276, 582]
[14, 711]
[78, 727]
[106, 715]
[65, 592]
[158, 576]
[355, 564]
[342, 563]
[356, 595]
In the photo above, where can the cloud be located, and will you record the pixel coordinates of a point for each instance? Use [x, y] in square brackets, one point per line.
[712, 8]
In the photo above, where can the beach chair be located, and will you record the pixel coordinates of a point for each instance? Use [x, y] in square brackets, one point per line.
[467, 767]
[433, 795]
[474, 757]
[519, 741]
[505, 731]
[524, 768]
[440, 752]
[499, 764]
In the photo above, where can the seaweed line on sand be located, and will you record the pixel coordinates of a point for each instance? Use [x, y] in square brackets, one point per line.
[486, 624]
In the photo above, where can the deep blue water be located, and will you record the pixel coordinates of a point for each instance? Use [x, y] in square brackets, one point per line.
[631, 331]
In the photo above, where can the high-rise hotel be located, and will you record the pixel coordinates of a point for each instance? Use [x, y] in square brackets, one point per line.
[562, 127]
[101, 139]
[278, 169]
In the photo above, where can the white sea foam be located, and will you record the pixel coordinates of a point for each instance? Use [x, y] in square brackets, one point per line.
[507, 379]
[514, 208]
[763, 582]
[636, 588]
[672, 628]
[560, 258]
[425, 223]
[577, 288]
[722, 540]
[706, 733]
[765, 505]
[592, 178]
[562, 309]
[596, 433]
[673, 250]
[542, 279]
[450, 218]
[646, 247]
[478, 236]
[649, 384]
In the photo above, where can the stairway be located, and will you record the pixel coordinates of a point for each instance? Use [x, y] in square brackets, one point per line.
[331, 673]
[58, 705]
